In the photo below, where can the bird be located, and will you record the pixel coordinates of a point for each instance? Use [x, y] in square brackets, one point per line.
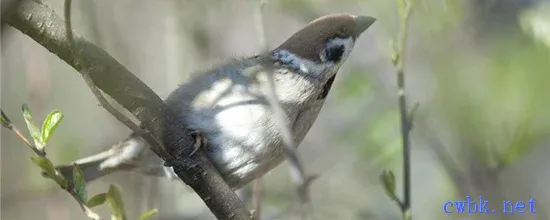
[230, 107]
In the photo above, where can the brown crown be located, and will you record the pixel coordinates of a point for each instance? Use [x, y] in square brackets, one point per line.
[309, 41]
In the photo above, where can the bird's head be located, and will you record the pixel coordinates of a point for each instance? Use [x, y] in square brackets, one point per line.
[323, 45]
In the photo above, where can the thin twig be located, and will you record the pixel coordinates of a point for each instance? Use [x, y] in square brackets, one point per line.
[406, 123]
[260, 30]
[297, 171]
[257, 198]
[22, 137]
[96, 92]
[257, 184]
[86, 76]
[91, 214]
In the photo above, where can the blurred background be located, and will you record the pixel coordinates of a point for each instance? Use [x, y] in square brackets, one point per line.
[479, 71]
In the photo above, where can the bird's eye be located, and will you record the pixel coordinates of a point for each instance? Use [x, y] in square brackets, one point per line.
[342, 30]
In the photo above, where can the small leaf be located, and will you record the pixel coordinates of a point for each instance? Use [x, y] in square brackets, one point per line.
[79, 183]
[96, 200]
[50, 124]
[147, 215]
[33, 129]
[388, 179]
[49, 171]
[116, 204]
[5, 120]
[45, 164]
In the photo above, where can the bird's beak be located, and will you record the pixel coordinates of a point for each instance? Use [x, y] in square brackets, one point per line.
[363, 22]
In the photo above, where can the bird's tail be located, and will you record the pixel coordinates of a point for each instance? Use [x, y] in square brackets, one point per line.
[90, 167]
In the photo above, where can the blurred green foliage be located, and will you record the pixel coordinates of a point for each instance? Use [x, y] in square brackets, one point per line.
[303, 9]
[536, 22]
[383, 139]
[356, 83]
[432, 17]
[501, 100]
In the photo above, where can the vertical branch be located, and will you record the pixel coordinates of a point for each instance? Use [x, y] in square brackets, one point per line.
[398, 60]
[297, 171]
[257, 198]
[259, 20]
[399, 63]
[257, 184]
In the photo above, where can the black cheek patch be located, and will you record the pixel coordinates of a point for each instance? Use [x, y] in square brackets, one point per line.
[334, 53]
[326, 88]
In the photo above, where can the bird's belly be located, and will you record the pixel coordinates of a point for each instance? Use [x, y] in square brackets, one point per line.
[240, 164]
[243, 139]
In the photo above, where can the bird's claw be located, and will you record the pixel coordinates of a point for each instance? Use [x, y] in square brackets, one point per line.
[200, 141]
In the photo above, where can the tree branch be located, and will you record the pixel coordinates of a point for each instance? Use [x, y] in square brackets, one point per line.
[297, 171]
[398, 59]
[171, 141]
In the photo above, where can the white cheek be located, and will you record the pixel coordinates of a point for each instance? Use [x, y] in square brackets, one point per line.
[349, 45]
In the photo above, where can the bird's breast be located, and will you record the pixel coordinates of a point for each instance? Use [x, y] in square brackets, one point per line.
[243, 136]
[243, 139]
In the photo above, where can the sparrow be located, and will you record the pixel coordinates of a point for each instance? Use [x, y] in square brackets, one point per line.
[229, 106]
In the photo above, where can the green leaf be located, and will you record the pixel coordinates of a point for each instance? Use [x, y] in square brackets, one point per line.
[116, 204]
[45, 164]
[5, 120]
[50, 124]
[147, 215]
[79, 183]
[48, 169]
[96, 200]
[33, 129]
[388, 179]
